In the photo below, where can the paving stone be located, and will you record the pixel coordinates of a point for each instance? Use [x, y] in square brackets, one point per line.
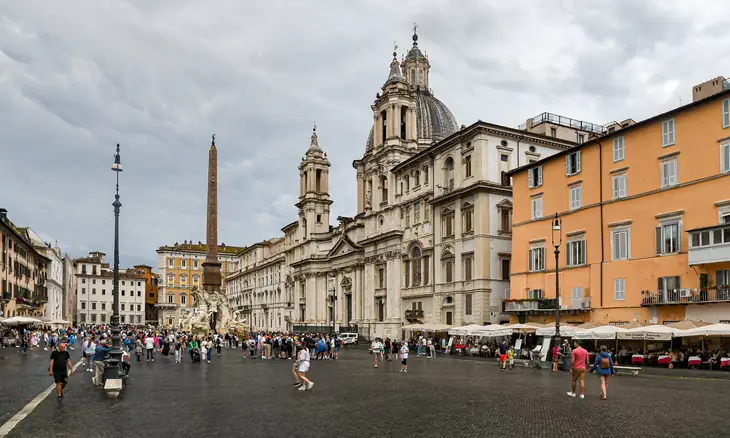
[436, 398]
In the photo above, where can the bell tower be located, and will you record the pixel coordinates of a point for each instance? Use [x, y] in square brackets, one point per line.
[314, 199]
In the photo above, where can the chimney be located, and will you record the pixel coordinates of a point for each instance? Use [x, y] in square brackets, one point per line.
[3, 213]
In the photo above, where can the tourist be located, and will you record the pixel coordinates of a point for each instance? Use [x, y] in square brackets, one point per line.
[556, 355]
[149, 344]
[511, 358]
[604, 368]
[87, 356]
[101, 350]
[59, 368]
[503, 354]
[218, 344]
[138, 349]
[578, 371]
[178, 350]
[126, 362]
[376, 347]
[193, 346]
[303, 366]
[403, 358]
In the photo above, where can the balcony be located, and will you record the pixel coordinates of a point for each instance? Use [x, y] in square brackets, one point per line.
[414, 314]
[709, 245]
[719, 294]
[530, 305]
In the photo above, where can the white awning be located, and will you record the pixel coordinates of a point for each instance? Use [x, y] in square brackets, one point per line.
[708, 330]
[427, 327]
[464, 330]
[649, 333]
[602, 332]
[565, 330]
[20, 320]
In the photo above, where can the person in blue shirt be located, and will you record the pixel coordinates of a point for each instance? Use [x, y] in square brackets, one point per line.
[603, 366]
[99, 354]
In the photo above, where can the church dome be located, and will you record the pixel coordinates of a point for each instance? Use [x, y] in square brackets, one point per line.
[434, 120]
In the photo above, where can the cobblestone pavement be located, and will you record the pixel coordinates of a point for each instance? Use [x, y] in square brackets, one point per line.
[437, 397]
[22, 377]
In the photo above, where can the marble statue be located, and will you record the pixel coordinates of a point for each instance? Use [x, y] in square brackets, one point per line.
[209, 307]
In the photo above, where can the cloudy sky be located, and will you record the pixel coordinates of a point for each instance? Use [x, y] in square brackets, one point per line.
[161, 76]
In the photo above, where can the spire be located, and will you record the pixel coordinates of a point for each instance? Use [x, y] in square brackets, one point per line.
[415, 52]
[314, 144]
[395, 72]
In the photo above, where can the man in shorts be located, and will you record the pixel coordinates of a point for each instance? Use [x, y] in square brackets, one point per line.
[503, 354]
[59, 368]
[403, 358]
[580, 360]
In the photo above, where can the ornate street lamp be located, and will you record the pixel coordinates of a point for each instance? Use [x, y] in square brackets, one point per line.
[112, 369]
[557, 239]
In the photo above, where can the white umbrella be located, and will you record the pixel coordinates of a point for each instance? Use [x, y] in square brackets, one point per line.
[708, 330]
[649, 333]
[529, 327]
[603, 332]
[464, 330]
[494, 330]
[565, 330]
[20, 320]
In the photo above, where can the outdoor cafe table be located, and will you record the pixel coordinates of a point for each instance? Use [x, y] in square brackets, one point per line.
[664, 360]
[637, 359]
[694, 360]
[725, 362]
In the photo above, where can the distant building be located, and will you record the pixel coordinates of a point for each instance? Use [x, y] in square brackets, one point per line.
[152, 280]
[180, 268]
[94, 287]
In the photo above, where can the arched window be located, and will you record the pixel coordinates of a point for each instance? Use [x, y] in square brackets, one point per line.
[170, 298]
[449, 174]
[447, 263]
[420, 77]
[384, 120]
[384, 188]
[413, 77]
[416, 261]
[183, 278]
[449, 300]
[183, 299]
[403, 118]
[170, 279]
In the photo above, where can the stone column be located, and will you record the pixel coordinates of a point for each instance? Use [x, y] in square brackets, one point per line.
[360, 193]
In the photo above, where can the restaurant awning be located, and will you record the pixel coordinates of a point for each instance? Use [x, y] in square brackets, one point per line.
[648, 333]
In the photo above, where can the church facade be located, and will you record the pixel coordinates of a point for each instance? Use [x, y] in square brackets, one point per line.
[430, 241]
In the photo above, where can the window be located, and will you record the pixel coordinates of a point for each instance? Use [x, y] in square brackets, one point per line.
[669, 172]
[667, 286]
[668, 238]
[618, 149]
[426, 269]
[572, 163]
[195, 263]
[537, 207]
[725, 156]
[467, 304]
[468, 214]
[467, 166]
[576, 295]
[417, 212]
[83, 290]
[416, 259]
[93, 306]
[447, 220]
[381, 278]
[534, 294]
[196, 279]
[407, 272]
[537, 259]
[170, 279]
[425, 175]
[581, 138]
[103, 306]
[183, 299]
[576, 195]
[123, 293]
[468, 262]
[183, 278]
[619, 289]
[504, 158]
[534, 177]
[448, 266]
[93, 291]
[505, 221]
[726, 113]
[170, 299]
[408, 216]
[417, 178]
[122, 307]
[620, 244]
[171, 262]
[553, 132]
[319, 216]
[122, 319]
[620, 185]
[83, 305]
[722, 277]
[576, 252]
[506, 266]
[183, 263]
[668, 137]
[449, 174]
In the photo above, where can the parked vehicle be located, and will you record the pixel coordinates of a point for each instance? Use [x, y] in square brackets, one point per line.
[349, 338]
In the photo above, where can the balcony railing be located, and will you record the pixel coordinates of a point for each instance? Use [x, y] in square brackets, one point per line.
[414, 314]
[709, 245]
[565, 121]
[530, 305]
[720, 294]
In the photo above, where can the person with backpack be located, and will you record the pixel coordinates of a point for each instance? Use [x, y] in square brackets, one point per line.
[603, 366]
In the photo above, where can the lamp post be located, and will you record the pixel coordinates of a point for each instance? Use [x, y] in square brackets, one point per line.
[112, 369]
[557, 239]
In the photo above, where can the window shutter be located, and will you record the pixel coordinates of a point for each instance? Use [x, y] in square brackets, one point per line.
[659, 240]
[577, 161]
[567, 164]
[529, 260]
[614, 184]
[530, 178]
[726, 113]
[539, 176]
[679, 236]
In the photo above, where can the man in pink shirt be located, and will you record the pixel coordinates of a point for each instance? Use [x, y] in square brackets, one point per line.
[580, 360]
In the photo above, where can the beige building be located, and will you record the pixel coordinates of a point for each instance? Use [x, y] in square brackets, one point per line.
[431, 239]
[180, 268]
[23, 272]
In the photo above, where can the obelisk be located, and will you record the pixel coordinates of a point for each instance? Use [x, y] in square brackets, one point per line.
[211, 265]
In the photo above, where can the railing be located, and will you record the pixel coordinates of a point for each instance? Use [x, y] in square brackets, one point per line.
[686, 296]
[526, 305]
[413, 314]
[580, 304]
[566, 121]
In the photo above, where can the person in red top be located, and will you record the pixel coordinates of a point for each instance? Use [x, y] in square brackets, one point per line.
[556, 354]
[580, 360]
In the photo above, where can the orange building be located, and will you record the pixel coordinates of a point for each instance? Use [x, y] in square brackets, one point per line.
[645, 211]
[150, 313]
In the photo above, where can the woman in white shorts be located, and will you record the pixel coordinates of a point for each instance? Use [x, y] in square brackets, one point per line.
[302, 366]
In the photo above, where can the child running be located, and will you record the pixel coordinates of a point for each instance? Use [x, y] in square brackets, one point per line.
[302, 365]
